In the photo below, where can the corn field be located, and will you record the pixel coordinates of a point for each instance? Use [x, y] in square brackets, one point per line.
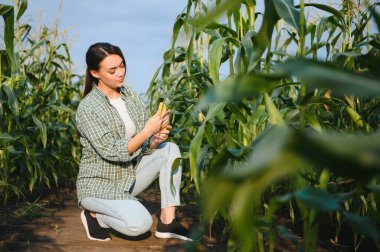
[38, 98]
[278, 114]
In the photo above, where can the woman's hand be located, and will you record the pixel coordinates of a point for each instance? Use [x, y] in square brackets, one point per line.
[157, 122]
[160, 137]
[154, 125]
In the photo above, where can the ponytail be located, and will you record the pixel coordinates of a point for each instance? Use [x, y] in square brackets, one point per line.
[89, 82]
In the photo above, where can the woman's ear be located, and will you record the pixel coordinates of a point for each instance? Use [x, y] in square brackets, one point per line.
[94, 74]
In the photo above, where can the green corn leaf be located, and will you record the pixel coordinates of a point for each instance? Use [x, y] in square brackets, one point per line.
[36, 46]
[319, 75]
[215, 26]
[22, 9]
[286, 10]
[4, 9]
[189, 56]
[250, 3]
[317, 199]
[43, 132]
[218, 193]
[12, 100]
[215, 56]
[343, 197]
[12, 150]
[7, 12]
[355, 117]
[347, 156]
[313, 122]
[363, 225]
[195, 144]
[247, 44]
[321, 28]
[152, 82]
[373, 189]
[32, 181]
[376, 17]
[264, 36]
[238, 112]
[247, 195]
[244, 52]
[324, 179]
[331, 10]
[188, 7]
[269, 150]
[275, 116]
[177, 27]
[311, 28]
[5, 138]
[174, 169]
[55, 176]
[214, 13]
[321, 100]
[62, 107]
[371, 62]
[214, 110]
[239, 88]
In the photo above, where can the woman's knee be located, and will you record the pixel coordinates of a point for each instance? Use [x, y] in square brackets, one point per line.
[138, 226]
[172, 149]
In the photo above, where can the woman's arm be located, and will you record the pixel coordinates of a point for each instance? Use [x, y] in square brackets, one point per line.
[153, 125]
[97, 133]
[143, 138]
[160, 137]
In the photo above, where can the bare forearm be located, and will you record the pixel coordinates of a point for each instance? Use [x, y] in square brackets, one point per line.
[154, 124]
[136, 141]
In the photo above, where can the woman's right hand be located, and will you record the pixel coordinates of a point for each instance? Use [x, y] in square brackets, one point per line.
[157, 122]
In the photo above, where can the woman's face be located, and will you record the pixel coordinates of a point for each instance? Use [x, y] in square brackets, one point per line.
[111, 71]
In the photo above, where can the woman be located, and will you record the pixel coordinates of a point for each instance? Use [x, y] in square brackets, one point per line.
[123, 151]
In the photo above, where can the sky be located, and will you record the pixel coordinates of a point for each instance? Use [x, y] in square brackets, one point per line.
[142, 30]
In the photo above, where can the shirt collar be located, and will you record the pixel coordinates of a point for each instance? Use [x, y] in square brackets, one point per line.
[98, 93]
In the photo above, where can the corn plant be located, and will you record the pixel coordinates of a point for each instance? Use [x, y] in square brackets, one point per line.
[38, 97]
[299, 109]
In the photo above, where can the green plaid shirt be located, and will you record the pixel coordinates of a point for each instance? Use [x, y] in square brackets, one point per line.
[106, 169]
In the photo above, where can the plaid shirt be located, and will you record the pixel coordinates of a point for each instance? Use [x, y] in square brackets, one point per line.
[106, 169]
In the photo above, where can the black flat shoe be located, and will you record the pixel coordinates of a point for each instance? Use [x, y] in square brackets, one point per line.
[173, 230]
[94, 231]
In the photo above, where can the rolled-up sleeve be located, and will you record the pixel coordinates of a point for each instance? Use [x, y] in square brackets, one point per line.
[144, 117]
[99, 136]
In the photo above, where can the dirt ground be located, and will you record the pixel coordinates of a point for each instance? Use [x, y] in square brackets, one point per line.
[56, 226]
[52, 223]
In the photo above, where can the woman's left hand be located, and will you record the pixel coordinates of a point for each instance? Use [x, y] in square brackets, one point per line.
[160, 137]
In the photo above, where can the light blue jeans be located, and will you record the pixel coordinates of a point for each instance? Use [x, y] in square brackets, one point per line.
[129, 216]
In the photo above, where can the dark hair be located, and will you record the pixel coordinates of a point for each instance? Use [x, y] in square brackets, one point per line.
[95, 54]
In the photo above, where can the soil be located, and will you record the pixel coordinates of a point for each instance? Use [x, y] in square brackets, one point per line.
[53, 224]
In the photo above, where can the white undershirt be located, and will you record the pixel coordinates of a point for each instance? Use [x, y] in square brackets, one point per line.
[130, 128]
